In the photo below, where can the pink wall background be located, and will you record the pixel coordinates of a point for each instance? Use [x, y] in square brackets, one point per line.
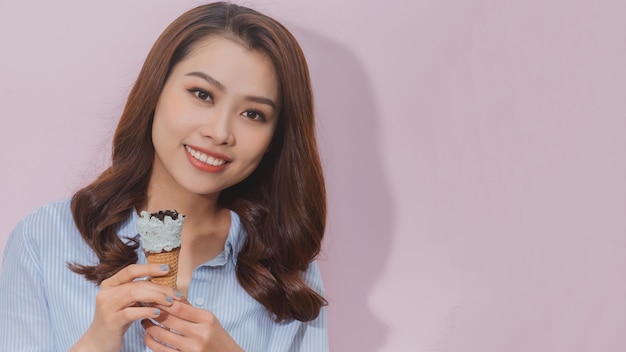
[474, 153]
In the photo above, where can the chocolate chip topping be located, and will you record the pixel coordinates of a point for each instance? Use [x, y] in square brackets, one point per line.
[162, 214]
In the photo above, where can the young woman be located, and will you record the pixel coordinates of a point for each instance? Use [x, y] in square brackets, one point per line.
[219, 126]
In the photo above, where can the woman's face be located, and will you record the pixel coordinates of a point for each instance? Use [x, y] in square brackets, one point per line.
[214, 119]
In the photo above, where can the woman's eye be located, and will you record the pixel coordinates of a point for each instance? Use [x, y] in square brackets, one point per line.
[201, 94]
[254, 115]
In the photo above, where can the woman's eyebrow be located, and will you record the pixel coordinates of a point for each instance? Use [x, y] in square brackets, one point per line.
[262, 100]
[209, 79]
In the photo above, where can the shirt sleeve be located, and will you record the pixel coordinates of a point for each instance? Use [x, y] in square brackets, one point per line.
[313, 335]
[24, 319]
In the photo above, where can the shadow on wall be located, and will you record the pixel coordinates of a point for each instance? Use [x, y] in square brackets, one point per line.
[360, 228]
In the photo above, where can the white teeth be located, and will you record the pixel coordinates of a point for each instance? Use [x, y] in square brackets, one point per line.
[205, 158]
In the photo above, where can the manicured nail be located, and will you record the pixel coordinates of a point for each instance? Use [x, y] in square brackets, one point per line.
[157, 311]
[165, 267]
[178, 294]
[169, 299]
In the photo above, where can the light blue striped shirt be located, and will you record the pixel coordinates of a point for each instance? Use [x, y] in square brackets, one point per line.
[46, 307]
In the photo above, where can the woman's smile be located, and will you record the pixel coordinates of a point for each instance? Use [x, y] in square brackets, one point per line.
[207, 161]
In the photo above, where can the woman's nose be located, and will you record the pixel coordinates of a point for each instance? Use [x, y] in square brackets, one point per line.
[217, 126]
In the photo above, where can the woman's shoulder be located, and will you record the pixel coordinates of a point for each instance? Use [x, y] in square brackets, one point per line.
[313, 277]
[49, 223]
[51, 214]
[41, 246]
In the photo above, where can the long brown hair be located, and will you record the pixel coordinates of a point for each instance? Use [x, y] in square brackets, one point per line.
[282, 204]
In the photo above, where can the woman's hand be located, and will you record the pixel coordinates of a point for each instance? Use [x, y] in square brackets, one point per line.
[195, 329]
[120, 302]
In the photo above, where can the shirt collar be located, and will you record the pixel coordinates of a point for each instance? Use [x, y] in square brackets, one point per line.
[236, 238]
[127, 230]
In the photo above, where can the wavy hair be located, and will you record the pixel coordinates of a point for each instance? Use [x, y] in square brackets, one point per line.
[282, 204]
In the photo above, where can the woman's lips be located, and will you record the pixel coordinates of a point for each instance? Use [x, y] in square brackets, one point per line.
[207, 161]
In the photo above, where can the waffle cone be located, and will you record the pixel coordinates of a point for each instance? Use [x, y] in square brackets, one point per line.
[170, 258]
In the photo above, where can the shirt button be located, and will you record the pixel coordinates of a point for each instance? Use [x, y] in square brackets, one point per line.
[199, 301]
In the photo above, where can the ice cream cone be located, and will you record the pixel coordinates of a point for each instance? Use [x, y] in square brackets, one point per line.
[170, 258]
[160, 235]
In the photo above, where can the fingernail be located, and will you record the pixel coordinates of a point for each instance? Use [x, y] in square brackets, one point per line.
[157, 311]
[165, 267]
[169, 299]
[178, 294]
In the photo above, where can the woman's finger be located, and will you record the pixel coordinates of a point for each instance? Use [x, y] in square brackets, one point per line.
[188, 312]
[188, 320]
[137, 313]
[169, 321]
[155, 345]
[135, 271]
[163, 336]
[140, 292]
[191, 329]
